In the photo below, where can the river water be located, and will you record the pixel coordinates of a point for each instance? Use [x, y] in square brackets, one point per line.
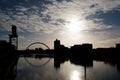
[66, 71]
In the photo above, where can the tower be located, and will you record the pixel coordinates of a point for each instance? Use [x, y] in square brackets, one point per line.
[13, 38]
[56, 44]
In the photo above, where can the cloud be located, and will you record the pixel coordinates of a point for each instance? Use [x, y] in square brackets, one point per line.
[50, 16]
[5, 37]
[107, 5]
[116, 40]
[21, 37]
[22, 9]
[81, 9]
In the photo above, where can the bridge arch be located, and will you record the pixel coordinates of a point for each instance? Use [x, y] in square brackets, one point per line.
[37, 43]
[39, 65]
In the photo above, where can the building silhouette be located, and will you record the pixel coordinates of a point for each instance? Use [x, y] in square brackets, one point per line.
[6, 48]
[81, 50]
[118, 46]
[56, 44]
[13, 38]
[59, 48]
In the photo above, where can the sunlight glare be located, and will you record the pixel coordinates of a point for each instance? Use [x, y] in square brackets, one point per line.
[75, 75]
[74, 25]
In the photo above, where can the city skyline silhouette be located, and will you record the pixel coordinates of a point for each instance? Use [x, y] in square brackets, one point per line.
[82, 55]
[72, 22]
[59, 39]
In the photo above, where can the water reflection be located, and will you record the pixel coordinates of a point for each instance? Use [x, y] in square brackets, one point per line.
[8, 67]
[37, 62]
[13, 69]
[75, 75]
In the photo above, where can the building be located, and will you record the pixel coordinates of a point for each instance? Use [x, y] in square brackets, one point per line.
[87, 47]
[56, 44]
[117, 46]
[60, 50]
[13, 38]
[6, 48]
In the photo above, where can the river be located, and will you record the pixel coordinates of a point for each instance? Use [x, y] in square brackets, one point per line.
[66, 71]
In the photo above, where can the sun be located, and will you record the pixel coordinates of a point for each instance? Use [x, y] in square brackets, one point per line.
[74, 25]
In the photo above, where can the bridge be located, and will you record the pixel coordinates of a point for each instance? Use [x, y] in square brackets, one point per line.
[37, 53]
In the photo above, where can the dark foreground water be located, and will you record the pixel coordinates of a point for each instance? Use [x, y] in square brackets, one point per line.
[66, 71]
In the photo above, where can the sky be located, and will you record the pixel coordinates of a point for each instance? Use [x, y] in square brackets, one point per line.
[70, 21]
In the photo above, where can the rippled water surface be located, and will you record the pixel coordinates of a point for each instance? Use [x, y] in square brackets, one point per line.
[65, 71]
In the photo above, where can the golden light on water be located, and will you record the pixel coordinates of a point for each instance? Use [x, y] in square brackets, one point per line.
[75, 75]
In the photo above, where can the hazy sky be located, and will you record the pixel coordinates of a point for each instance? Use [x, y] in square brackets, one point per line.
[71, 21]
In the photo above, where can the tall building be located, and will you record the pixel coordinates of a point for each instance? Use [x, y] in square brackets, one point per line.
[56, 44]
[13, 38]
